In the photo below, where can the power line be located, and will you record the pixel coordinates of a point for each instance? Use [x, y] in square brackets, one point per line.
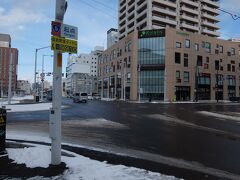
[234, 16]
[92, 6]
[111, 8]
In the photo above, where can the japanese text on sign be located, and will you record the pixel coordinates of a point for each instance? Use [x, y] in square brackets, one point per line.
[64, 45]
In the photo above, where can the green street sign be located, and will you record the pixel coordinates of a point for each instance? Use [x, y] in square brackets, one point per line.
[151, 33]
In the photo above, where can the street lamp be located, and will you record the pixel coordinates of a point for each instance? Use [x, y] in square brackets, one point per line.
[139, 81]
[35, 70]
[43, 75]
[196, 82]
[124, 81]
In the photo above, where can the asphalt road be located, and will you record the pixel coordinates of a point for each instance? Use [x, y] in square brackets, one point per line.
[177, 131]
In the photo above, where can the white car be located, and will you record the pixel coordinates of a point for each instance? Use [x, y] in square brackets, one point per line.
[80, 97]
[90, 98]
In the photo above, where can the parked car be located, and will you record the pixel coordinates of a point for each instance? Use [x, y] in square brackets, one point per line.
[90, 97]
[80, 97]
[96, 97]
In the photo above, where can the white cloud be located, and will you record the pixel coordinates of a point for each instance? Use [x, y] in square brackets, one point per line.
[19, 14]
[2, 10]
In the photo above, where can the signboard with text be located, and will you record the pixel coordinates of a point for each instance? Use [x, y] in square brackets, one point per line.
[68, 31]
[151, 33]
[64, 45]
[2, 129]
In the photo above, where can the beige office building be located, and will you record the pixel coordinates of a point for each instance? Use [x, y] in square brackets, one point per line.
[170, 64]
[189, 15]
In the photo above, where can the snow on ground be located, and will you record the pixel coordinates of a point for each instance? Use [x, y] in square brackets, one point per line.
[96, 122]
[220, 116]
[30, 156]
[29, 107]
[81, 167]
[18, 98]
[14, 100]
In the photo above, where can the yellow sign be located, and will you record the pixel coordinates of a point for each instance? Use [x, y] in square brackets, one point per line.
[2, 120]
[64, 45]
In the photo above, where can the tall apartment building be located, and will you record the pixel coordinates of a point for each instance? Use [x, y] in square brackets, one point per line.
[112, 37]
[82, 72]
[170, 64]
[5, 49]
[197, 16]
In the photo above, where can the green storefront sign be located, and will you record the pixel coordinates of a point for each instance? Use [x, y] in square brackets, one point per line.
[151, 33]
[182, 33]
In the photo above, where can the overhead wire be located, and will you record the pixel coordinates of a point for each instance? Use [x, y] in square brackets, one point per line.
[234, 16]
[103, 4]
[94, 7]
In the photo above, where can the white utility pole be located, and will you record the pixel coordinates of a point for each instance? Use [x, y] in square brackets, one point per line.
[55, 117]
[10, 77]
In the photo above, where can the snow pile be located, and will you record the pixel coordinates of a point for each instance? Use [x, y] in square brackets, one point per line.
[32, 157]
[220, 116]
[96, 122]
[29, 107]
[18, 98]
[14, 100]
[81, 167]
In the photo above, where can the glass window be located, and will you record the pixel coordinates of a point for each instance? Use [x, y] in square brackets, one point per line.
[186, 76]
[178, 76]
[187, 43]
[232, 51]
[231, 80]
[229, 67]
[207, 59]
[221, 49]
[196, 47]
[128, 77]
[151, 50]
[208, 47]
[216, 65]
[178, 45]
[185, 60]
[233, 68]
[199, 60]
[177, 58]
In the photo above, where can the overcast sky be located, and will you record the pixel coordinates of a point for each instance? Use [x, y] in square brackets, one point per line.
[28, 22]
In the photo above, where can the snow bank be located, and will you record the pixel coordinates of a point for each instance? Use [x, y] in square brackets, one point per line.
[29, 107]
[18, 98]
[96, 122]
[33, 157]
[81, 167]
[220, 116]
